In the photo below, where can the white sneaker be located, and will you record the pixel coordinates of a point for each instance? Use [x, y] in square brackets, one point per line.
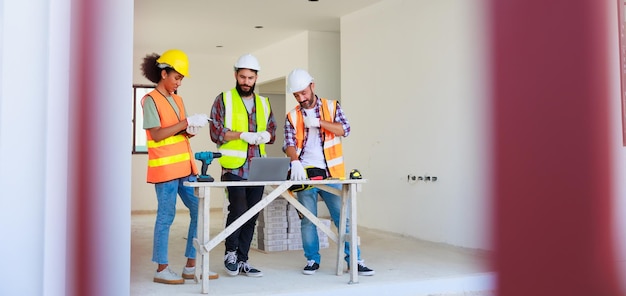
[167, 276]
[249, 270]
[189, 273]
[230, 263]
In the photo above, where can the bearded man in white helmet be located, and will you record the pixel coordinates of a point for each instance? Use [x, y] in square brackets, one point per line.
[242, 124]
[313, 131]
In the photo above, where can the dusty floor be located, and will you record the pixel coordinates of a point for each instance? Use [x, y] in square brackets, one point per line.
[404, 266]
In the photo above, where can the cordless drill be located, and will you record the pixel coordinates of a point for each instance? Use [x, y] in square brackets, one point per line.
[206, 157]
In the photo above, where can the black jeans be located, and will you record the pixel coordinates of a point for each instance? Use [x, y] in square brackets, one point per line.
[241, 199]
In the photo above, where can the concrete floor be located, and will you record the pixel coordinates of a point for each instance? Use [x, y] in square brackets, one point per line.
[404, 266]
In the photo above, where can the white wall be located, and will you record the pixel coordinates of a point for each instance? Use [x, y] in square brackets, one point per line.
[413, 88]
[325, 63]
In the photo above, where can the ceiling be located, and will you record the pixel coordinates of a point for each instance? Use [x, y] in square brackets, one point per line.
[227, 27]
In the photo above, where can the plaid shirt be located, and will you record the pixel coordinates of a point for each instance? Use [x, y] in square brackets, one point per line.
[218, 131]
[290, 131]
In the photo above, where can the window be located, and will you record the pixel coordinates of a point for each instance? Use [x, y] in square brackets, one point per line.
[139, 135]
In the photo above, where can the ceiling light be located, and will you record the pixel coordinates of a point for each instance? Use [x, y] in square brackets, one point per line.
[258, 27]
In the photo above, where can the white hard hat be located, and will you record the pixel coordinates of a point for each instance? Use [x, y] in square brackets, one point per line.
[247, 61]
[298, 80]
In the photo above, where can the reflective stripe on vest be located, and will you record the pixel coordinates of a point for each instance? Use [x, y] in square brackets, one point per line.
[169, 158]
[235, 152]
[333, 152]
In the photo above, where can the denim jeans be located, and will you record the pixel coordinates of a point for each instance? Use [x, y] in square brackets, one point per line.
[310, 239]
[166, 196]
[241, 199]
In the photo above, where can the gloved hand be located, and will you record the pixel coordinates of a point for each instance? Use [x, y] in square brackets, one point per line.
[192, 129]
[297, 171]
[251, 138]
[310, 121]
[263, 137]
[198, 120]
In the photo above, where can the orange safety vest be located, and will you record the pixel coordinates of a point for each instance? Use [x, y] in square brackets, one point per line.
[333, 152]
[169, 158]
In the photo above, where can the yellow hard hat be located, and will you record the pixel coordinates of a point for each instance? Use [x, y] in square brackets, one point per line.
[175, 59]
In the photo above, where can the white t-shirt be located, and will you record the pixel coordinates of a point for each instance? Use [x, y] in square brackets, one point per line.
[313, 155]
[249, 102]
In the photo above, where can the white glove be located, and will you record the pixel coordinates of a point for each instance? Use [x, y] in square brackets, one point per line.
[297, 171]
[192, 129]
[198, 120]
[263, 137]
[251, 138]
[311, 121]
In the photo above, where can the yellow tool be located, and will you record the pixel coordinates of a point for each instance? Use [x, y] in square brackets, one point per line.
[355, 174]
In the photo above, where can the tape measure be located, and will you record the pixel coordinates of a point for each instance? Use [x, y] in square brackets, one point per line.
[355, 174]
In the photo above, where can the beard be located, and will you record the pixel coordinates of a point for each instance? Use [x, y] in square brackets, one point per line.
[243, 93]
[309, 103]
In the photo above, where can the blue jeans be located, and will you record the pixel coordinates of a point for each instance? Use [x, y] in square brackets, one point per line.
[310, 239]
[166, 196]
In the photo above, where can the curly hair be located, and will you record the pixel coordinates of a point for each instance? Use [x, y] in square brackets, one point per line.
[150, 69]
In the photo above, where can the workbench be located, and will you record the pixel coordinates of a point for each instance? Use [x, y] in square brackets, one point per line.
[349, 188]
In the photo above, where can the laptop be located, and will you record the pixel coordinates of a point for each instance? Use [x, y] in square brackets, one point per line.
[268, 168]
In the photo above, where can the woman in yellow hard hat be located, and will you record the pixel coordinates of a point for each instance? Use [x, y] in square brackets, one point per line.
[170, 161]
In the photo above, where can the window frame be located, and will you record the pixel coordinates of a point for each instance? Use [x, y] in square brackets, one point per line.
[139, 141]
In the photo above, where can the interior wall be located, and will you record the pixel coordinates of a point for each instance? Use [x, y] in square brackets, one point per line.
[325, 63]
[278, 108]
[413, 86]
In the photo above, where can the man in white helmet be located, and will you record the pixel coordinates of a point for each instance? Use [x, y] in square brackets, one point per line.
[313, 131]
[242, 124]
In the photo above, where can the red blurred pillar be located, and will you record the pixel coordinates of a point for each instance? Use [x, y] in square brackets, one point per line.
[552, 183]
[99, 157]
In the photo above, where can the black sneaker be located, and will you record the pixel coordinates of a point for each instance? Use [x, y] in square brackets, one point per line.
[363, 270]
[311, 267]
[230, 263]
[248, 270]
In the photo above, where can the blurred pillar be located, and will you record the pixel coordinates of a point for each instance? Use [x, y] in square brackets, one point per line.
[552, 162]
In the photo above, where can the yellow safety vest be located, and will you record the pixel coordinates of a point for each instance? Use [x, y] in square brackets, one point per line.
[235, 152]
[169, 158]
[333, 152]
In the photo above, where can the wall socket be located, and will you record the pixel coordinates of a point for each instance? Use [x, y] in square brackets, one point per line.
[426, 178]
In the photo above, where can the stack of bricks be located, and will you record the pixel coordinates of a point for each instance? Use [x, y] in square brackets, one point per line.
[278, 228]
[294, 235]
[271, 231]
